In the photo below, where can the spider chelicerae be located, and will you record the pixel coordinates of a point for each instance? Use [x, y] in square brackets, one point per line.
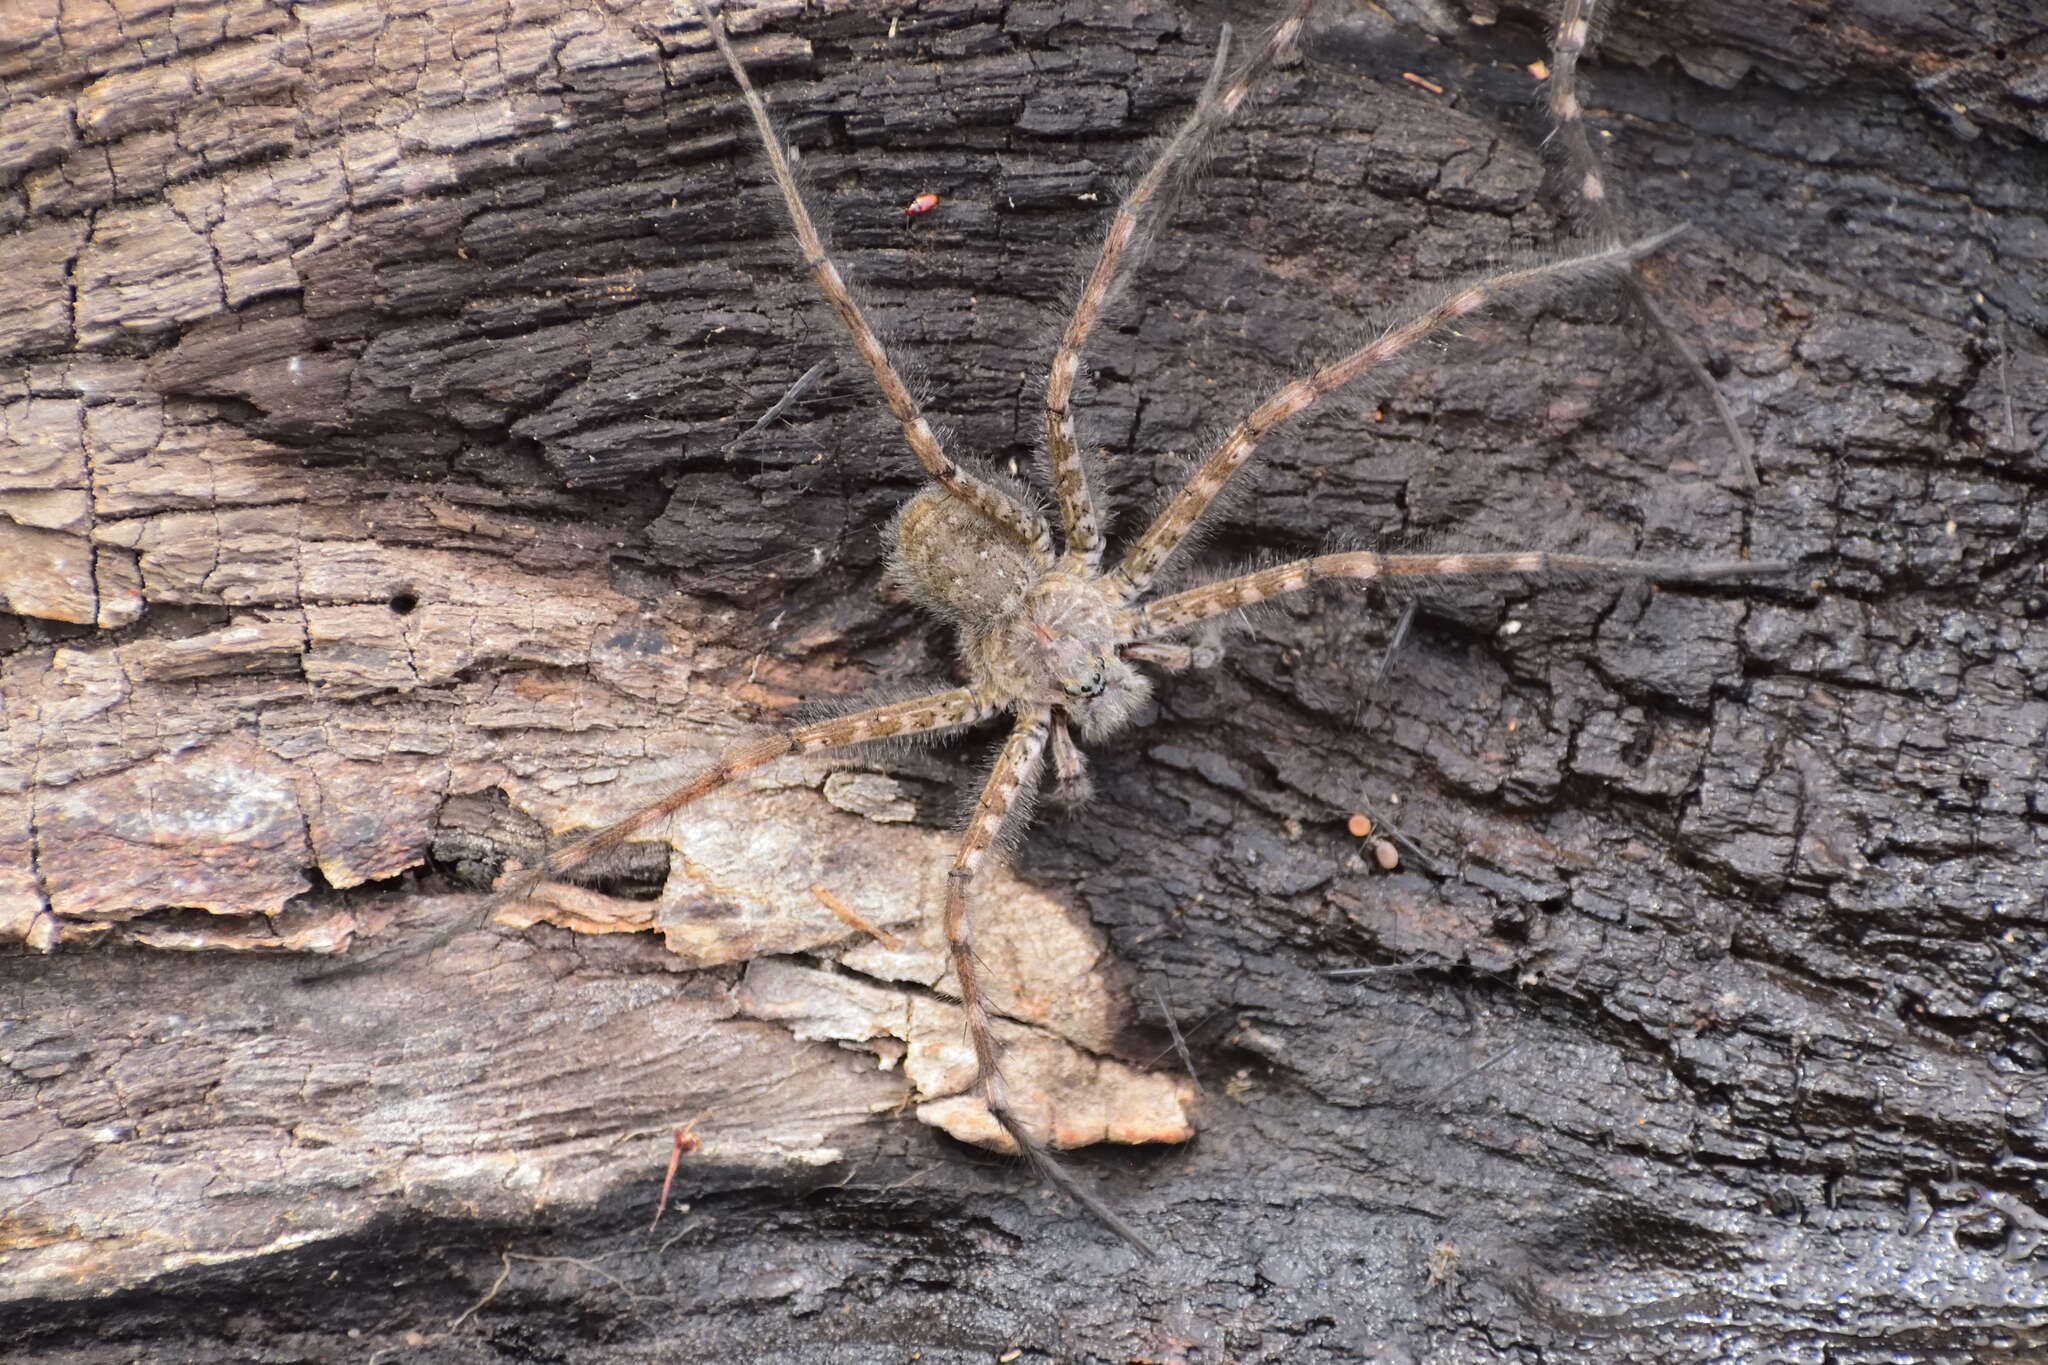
[1051, 629]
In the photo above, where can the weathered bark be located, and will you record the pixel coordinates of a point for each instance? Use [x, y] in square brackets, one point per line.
[374, 504]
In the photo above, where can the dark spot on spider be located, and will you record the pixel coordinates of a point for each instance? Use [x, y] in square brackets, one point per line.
[404, 603]
[1784, 1203]
[2035, 605]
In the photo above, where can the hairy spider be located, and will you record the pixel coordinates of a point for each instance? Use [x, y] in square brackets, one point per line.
[1050, 632]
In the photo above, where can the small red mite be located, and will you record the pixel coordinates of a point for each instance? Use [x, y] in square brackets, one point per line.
[924, 203]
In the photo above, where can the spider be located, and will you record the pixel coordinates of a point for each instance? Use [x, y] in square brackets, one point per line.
[1051, 629]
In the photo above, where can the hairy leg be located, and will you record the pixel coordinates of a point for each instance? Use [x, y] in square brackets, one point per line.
[1180, 609]
[1586, 191]
[918, 716]
[1218, 102]
[1016, 773]
[1150, 552]
[1020, 521]
[1071, 785]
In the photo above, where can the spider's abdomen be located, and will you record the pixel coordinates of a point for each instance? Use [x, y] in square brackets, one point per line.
[957, 563]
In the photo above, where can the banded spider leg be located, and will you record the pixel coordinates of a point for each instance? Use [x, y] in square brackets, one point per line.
[1585, 188]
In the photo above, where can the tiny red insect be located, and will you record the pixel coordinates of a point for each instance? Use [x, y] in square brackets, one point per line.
[924, 203]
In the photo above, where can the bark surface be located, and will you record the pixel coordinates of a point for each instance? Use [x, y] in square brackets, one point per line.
[381, 504]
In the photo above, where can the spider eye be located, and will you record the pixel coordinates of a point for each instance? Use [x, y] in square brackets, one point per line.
[1088, 685]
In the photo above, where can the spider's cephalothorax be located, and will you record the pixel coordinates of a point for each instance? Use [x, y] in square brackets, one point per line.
[1050, 635]
[1059, 648]
[1031, 632]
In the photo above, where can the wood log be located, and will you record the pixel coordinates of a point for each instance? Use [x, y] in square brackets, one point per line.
[383, 501]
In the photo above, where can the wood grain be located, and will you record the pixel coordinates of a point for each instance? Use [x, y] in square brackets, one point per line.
[368, 383]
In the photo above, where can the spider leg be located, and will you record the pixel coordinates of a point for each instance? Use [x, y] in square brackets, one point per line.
[1172, 658]
[918, 716]
[1588, 192]
[1206, 651]
[1149, 553]
[1181, 609]
[1071, 785]
[1016, 772]
[1018, 520]
[1069, 473]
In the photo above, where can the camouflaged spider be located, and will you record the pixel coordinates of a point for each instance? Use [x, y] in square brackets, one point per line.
[1048, 636]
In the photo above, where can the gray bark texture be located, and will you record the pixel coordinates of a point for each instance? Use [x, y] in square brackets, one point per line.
[375, 393]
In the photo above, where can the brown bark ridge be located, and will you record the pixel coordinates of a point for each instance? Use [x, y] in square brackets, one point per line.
[380, 503]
